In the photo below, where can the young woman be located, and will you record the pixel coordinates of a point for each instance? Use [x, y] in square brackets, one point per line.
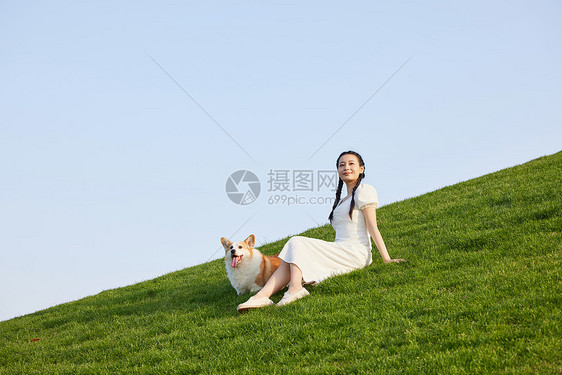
[309, 260]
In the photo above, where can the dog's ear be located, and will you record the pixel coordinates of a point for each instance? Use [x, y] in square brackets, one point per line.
[226, 243]
[251, 240]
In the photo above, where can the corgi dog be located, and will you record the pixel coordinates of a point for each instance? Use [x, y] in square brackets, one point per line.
[247, 268]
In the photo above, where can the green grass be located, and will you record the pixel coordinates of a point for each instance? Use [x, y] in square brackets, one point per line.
[480, 293]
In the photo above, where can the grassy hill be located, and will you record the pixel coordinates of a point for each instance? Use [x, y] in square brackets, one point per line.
[480, 293]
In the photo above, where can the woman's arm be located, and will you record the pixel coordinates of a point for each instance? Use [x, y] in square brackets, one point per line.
[370, 214]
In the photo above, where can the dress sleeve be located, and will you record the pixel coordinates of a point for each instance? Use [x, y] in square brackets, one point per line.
[366, 197]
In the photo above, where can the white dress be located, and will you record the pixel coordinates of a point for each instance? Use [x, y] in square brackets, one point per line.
[319, 259]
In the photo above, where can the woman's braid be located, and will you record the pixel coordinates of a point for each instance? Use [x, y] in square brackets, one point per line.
[352, 205]
[338, 195]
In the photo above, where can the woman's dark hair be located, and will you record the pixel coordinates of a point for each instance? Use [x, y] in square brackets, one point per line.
[340, 184]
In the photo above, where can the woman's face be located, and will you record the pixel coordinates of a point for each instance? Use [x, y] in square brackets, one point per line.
[349, 168]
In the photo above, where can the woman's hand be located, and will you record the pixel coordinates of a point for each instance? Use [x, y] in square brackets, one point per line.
[395, 260]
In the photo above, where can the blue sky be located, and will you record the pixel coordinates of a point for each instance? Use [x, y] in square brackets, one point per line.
[111, 172]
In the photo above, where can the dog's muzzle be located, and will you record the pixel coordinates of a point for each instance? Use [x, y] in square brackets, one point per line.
[235, 258]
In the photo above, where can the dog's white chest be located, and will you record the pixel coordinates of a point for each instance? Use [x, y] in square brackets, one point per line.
[243, 277]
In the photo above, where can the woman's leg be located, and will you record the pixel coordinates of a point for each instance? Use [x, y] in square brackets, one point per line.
[296, 279]
[277, 281]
